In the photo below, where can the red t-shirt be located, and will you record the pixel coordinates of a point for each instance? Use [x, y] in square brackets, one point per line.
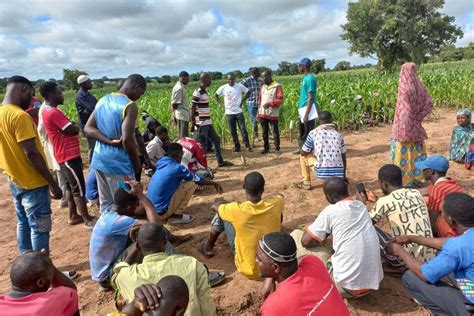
[58, 301]
[309, 290]
[194, 156]
[438, 191]
[65, 147]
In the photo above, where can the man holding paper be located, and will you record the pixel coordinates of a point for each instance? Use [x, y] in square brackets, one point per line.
[307, 111]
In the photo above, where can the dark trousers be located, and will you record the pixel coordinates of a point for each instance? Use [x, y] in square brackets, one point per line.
[210, 133]
[91, 145]
[439, 298]
[305, 128]
[183, 127]
[265, 131]
[233, 120]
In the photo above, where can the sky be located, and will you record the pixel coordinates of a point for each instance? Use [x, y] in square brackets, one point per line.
[114, 38]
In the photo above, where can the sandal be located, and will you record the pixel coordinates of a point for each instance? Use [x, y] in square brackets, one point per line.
[71, 275]
[303, 186]
[216, 277]
[185, 219]
[204, 252]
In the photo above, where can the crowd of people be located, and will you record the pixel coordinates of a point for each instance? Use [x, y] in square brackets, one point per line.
[343, 254]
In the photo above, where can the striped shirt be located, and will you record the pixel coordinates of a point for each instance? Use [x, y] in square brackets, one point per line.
[438, 191]
[328, 145]
[201, 109]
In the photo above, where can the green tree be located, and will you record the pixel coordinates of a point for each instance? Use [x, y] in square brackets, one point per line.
[70, 78]
[317, 65]
[394, 31]
[286, 68]
[342, 65]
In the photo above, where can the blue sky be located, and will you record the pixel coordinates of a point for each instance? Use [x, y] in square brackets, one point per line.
[155, 37]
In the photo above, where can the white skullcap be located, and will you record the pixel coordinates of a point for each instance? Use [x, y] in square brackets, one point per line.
[82, 79]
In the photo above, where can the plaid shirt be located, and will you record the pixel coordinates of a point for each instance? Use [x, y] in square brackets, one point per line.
[254, 86]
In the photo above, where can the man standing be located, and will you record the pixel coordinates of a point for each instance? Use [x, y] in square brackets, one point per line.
[67, 151]
[232, 93]
[85, 105]
[270, 99]
[113, 125]
[201, 118]
[253, 84]
[180, 104]
[308, 99]
[22, 159]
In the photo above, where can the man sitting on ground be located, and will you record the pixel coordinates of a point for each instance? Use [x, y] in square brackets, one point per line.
[155, 148]
[156, 264]
[434, 170]
[194, 156]
[405, 208]
[172, 186]
[329, 152]
[303, 289]
[39, 288]
[426, 282]
[110, 237]
[170, 297]
[355, 265]
[245, 223]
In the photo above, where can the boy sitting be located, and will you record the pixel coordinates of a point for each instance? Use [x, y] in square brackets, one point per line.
[39, 288]
[427, 282]
[329, 151]
[156, 147]
[355, 265]
[245, 223]
[194, 156]
[434, 170]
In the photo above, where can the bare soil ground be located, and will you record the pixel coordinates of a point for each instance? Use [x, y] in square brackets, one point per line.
[367, 152]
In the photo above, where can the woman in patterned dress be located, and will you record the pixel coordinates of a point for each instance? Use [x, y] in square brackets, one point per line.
[413, 104]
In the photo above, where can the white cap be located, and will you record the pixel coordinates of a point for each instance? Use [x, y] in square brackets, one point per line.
[82, 79]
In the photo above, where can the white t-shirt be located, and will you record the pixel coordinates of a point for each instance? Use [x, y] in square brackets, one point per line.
[356, 258]
[232, 97]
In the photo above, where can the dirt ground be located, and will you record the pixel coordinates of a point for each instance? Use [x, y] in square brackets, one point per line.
[367, 152]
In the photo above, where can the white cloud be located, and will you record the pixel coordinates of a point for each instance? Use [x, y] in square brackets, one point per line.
[154, 37]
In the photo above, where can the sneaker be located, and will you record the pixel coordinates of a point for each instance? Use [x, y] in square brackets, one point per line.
[104, 286]
[236, 149]
[264, 151]
[71, 275]
[225, 163]
[277, 151]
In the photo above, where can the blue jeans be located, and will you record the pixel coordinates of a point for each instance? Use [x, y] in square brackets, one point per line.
[222, 226]
[252, 108]
[238, 119]
[33, 212]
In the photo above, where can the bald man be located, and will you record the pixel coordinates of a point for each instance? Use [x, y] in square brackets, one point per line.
[23, 161]
[115, 118]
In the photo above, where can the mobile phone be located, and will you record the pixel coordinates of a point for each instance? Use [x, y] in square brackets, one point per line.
[361, 189]
[122, 185]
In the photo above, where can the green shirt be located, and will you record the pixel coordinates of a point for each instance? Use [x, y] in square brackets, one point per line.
[127, 278]
[309, 84]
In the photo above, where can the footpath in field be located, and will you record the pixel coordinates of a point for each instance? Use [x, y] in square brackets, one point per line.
[367, 152]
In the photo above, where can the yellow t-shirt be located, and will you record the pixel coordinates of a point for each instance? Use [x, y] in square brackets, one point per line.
[408, 215]
[16, 126]
[251, 222]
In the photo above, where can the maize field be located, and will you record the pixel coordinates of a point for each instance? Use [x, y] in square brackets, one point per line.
[355, 97]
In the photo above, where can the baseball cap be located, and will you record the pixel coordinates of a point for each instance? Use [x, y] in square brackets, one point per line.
[436, 162]
[82, 79]
[305, 62]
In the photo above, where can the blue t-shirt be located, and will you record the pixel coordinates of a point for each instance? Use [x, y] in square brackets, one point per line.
[309, 84]
[92, 192]
[457, 255]
[166, 180]
[109, 115]
[108, 240]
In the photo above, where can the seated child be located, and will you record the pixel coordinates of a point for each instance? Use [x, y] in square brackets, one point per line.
[462, 137]
[434, 170]
[194, 156]
[39, 288]
[329, 151]
[155, 148]
[245, 223]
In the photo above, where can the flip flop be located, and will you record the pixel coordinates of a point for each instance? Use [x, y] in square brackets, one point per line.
[203, 252]
[216, 277]
[303, 186]
[186, 219]
[71, 275]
